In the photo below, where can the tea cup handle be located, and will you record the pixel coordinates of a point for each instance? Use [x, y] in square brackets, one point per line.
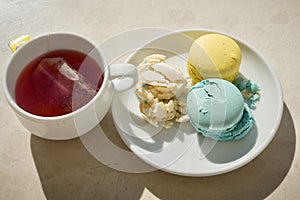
[123, 76]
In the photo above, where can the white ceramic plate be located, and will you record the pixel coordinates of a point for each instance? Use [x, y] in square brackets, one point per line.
[180, 150]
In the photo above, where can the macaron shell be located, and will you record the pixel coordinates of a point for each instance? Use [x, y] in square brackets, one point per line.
[216, 109]
[215, 104]
[215, 56]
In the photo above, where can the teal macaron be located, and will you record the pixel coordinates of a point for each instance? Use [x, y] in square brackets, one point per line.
[217, 109]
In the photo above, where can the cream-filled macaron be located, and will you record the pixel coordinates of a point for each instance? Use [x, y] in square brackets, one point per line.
[214, 56]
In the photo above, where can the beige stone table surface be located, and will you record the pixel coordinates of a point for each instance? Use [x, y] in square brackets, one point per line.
[34, 168]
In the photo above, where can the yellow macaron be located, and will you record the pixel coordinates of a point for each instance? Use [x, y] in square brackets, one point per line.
[214, 56]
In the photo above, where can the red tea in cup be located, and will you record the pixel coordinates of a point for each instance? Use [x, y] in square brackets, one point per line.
[57, 83]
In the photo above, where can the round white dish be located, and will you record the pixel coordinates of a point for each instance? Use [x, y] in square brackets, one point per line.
[180, 150]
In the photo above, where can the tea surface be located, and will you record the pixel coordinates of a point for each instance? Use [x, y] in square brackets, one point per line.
[28, 93]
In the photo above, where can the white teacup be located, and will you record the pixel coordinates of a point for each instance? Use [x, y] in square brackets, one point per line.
[85, 118]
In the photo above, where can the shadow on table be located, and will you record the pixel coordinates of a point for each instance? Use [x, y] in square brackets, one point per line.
[68, 171]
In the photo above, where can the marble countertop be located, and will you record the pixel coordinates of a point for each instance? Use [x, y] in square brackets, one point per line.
[35, 168]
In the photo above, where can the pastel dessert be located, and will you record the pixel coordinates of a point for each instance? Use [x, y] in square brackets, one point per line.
[249, 90]
[214, 56]
[216, 109]
[162, 91]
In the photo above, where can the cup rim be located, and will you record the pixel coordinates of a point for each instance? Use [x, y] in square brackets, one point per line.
[25, 113]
